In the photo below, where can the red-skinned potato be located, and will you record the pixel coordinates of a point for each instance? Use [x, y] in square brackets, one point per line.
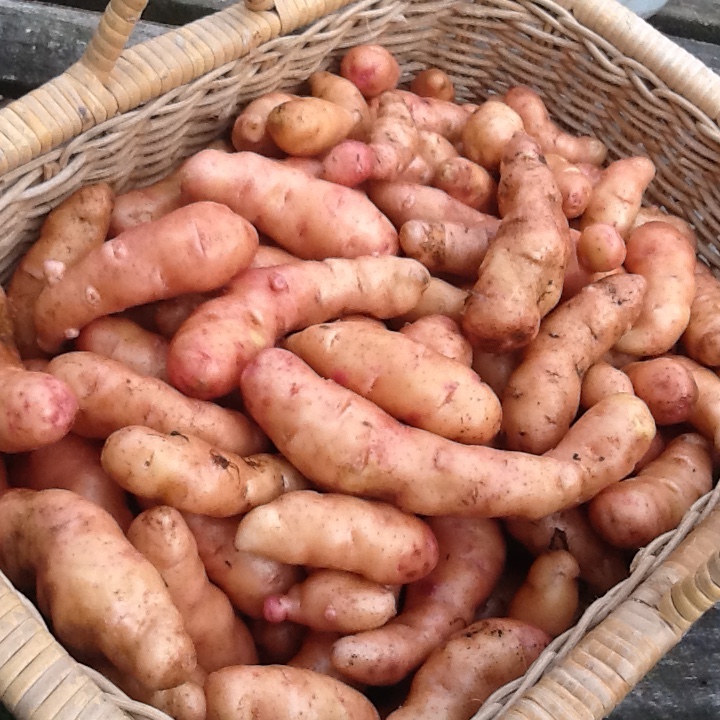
[434, 115]
[371, 68]
[600, 248]
[394, 138]
[574, 186]
[349, 163]
[600, 381]
[701, 338]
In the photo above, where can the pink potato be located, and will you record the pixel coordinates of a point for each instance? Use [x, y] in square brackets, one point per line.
[371, 68]
[349, 163]
[441, 334]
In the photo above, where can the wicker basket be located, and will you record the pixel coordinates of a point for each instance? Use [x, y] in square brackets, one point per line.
[130, 117]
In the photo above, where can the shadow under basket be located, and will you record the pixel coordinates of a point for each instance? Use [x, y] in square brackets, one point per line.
[129, 117]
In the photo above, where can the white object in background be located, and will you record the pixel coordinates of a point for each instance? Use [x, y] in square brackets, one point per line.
[644, 8]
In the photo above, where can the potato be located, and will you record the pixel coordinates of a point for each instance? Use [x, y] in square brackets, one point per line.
[548, 599]
[487, 131]
[340, 442]
[600, 381]
[208, 353]
[438, 298]
[667, 386]
[372, 539]
[441, 334]
[434, 149]
[311, 218]
[192, 475]
[99, 592]
[472, 557]
[571, 340]
[521, 276]
[434, 83]
[249, 133]
[577, 276]
[495, 370]
[277, 643]
[72, 463]
[653, 212]
[418, 172]
[371, 68]
[467, 182]
[126, 342]
[220, 637]
[111, 396]
[600, 248]
[4, 487]
[334, 601]
[274, 692]
[458, 677]
[536, 120]
[349, 163]
[247, 579]
[419, 387]
[144, 205]
[574, 186]
[76, 226]
[434, 115]
[661, 255]
[193, 249]
[634, 512]
[701, 338]
[394, 138]
[315, 655]
[342, 92]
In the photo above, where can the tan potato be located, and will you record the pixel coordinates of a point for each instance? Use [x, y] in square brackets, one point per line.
[617, 197]
[349, 163]
[99, 592]
[438, 298]
[574, 186]
[458, 677]
[571, 340]
[72, 463]
[338, 440]
[548, 599]
[275, 692]
[634, 512]
[441, 334]
[371, 68]
[220, 637]
[192, 475]
[111, 396]
[600, 248]
[126, 342]
[667, 387]
[210, 350]
[467, 182]
[277, 642]
[334, 601]
[247, 579]
[701, 338]
[194, 249]
[536, 119]
[600, 381]
[419, 387]
[311, 218]
[495, 370]
[447, 247]
[249, 133]
[76, 226]
[577, 276]
[653, 213]
[343, 92]
[394, 138]
[521, 276]
[405, 201]
[434, 83]
[661, 255]
[418, 172]
[372, 539]
[435, 149]
[472, 557]
[601, 566]
[488, 130]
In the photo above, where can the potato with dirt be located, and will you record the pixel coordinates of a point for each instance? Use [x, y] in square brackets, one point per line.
[192, 475]
[472, 558]
[194, 249]
[571, 340]
[312, 218]
[457, 678]
[101, 594]
[341, 91]
[210, 350]
[419, 387]
[488, 131]
[394, 138]
[467, 182]
[441, 334]
[521, 276]
[701, 338]
[372, 539]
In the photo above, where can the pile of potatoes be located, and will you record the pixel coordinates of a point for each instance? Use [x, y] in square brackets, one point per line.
[349, 418]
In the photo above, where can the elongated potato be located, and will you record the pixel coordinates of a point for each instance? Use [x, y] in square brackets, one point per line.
[275, 692]
[101, 594]
[602, 380]
[438, 298]
[220, 637]
[705, 413]
[575, 187]
[72, 463]
[571, 339]
[369, 538]
[653, 212]
[434, 149]
[419, 387]
[126, 342]
[634, 512]
[210, 350]
[111, 396]
[457, 678]
[394, 137]
[194, 249]
[435, 115]
[701, 338]
[247, 579]
[170, 314]
[76, 226]
[249, 131]
[311, 218]
[521, 276]
[342, 92]
[334, 601]
[487, 132]
[441, 334]
[192, 475]
[472, 557]
[467, 182]
[661, 255]
[340, 442]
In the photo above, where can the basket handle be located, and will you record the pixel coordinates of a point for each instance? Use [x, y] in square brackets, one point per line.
[613, 657]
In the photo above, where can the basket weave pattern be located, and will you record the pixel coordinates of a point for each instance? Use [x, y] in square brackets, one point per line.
[592, 88]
